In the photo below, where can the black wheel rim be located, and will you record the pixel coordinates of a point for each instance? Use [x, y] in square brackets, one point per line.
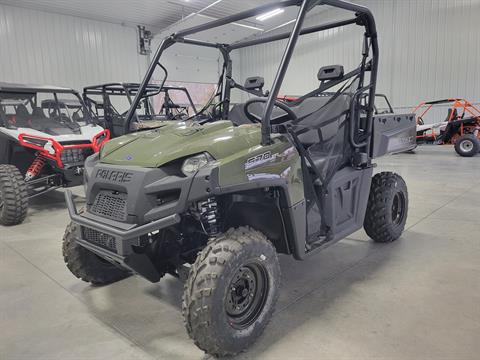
[246, 295]
[398, 208]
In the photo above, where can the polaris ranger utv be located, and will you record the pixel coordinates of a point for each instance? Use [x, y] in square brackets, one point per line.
[108, 101]
[214, 204]
[46, 132]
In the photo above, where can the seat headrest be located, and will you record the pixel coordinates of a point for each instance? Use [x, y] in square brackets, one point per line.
[331, 72]
[21, 110]
[38, 112]
[254, 83]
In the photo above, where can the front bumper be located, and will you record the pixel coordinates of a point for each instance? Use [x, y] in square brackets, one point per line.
[124, 204]
[121, 231]
[124, 237]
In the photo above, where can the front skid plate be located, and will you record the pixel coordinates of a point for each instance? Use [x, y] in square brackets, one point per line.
[138, 263]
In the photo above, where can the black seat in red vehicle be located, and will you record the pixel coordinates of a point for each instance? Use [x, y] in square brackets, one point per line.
[22, 116]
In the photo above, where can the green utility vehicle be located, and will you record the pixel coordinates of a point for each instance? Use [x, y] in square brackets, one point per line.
[214, 203]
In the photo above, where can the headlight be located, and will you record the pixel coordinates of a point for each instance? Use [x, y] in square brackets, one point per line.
[193, 164]
[49, 147]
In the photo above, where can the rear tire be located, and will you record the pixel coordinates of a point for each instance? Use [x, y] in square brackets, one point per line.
[467, 145]
[87, 266]
[13, 196]
[387, 208]
[231, 292]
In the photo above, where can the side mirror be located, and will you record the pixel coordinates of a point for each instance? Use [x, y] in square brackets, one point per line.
[332, 72]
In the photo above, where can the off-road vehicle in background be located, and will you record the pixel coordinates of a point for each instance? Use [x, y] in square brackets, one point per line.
[46, 133]
[214, 204]
[461, 126]
[110, 103]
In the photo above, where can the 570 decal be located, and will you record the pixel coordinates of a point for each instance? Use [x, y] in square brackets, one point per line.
[258, 160]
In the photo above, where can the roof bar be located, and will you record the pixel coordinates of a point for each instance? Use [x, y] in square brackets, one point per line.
[286, 35]
[372, 30]
[197, 42]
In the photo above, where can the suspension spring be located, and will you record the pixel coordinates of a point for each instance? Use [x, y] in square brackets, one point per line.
[35, 168]
[209, 218]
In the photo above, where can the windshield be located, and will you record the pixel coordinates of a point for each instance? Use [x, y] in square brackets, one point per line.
[51, 113]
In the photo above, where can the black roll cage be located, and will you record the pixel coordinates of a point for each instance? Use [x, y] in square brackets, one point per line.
[363, 17]
[130, 90]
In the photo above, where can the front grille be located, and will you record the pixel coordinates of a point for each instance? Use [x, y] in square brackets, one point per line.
[100, 239]
[109, 204]
[75, 156]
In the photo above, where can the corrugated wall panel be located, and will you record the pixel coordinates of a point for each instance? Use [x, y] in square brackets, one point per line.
[429, 49]
[47, 48]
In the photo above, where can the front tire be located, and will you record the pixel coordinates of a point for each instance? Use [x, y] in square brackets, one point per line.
[87, 266]
[13, 196]
[231, 292]
[467, 145]
[387, 208]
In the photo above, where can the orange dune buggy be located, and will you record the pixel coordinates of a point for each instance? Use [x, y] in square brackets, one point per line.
[461, 126]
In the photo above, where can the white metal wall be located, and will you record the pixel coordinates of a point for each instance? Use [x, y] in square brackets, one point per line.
[46, 48]
[189, 63]
[429, 49]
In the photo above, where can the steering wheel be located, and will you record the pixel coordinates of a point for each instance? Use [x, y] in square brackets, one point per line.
[289, 114]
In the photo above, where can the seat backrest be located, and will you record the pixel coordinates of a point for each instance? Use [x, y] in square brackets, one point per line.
[323, 115]
[37, 112]
[21, 111]
[449, 114]
[21, 116]
[76, 117]
[237, 116]
[237, 113]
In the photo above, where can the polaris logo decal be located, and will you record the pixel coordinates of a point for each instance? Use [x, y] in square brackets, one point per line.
[259, 160]
[114, 175]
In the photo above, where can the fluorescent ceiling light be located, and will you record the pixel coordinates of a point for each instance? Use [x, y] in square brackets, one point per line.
[248, 26]
[269, 14]
[234, 23]
[280, 26]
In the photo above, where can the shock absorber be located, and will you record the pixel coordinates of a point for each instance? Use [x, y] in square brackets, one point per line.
[35, 168]
[209, 218]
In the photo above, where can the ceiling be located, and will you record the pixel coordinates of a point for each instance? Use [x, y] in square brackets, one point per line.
[157, 15]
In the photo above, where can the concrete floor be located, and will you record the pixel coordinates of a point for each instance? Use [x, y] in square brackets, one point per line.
[418, 298]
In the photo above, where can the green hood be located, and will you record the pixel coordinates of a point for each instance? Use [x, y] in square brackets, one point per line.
[176, 140]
